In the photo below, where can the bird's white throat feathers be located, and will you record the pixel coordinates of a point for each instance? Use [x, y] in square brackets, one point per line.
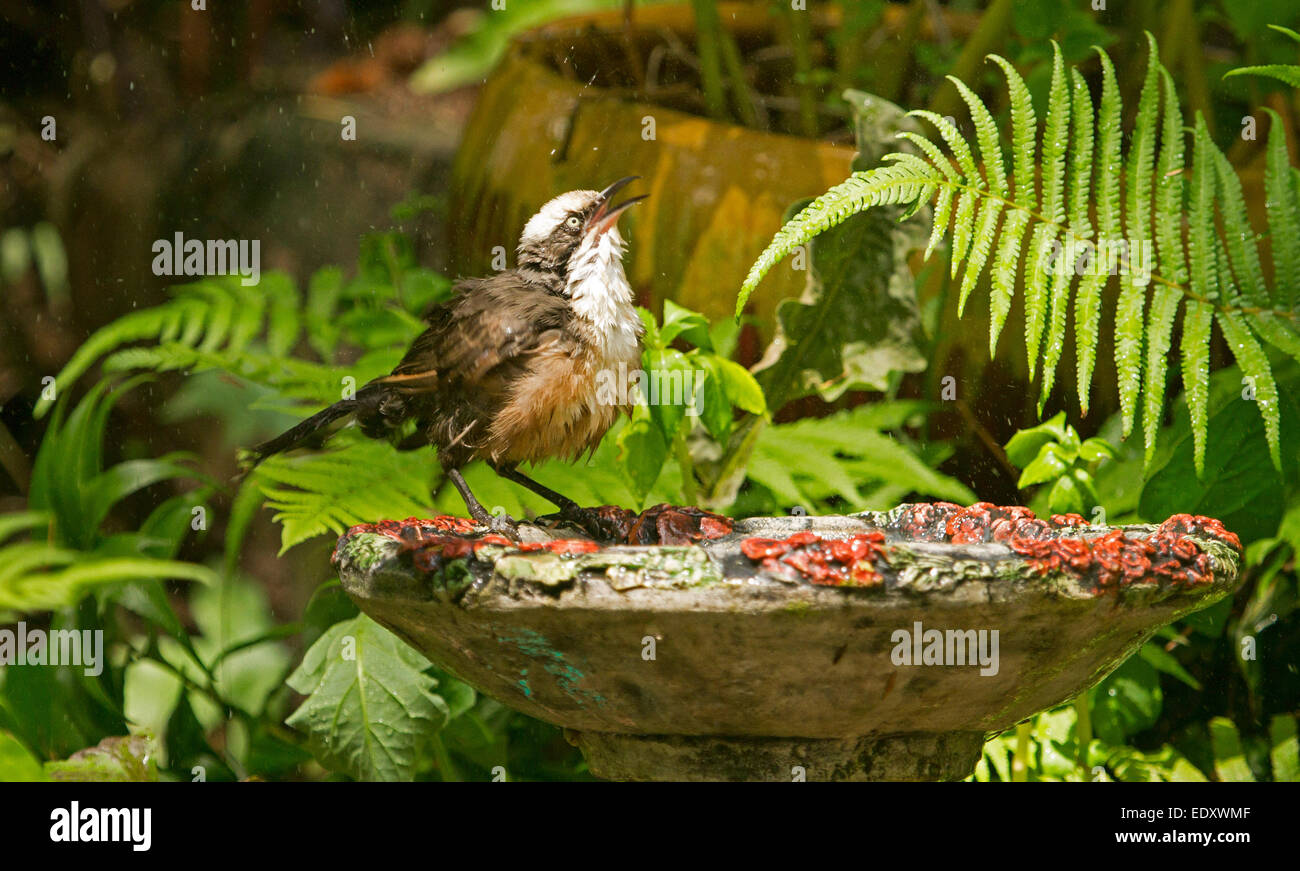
[599, 293]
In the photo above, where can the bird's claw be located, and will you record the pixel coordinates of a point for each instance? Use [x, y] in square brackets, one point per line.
[504, 524]
[588, 521]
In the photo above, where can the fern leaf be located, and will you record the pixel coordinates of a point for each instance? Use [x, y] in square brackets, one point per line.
[1046, 311]
[1128, 349]
[1285, 31]
[327, 492]
[1056, 131]
[986, 132]
[956, 142]
[1283, 216]
[1043, 251]
[943, 207]
[937, 158]
[208, 316]
[1005, 268]
[1286, 73]
[942, 216]
[1170, 256]
[1142, 149]
[1054, 345]
[1254, 365]
[1277, 332]
[1243, 253]
[883, 185]
[1087, 313]
[1087, 332]
[1138, 194]
[1203, 241]
[966, 201]
[1109, 135]
[1081, 136]
[1024, 134]
[961, 233]
[1129, 312]
[1171, 262]
[982, 242]
[1196, 373]
[1160, 327]
[1203, 263]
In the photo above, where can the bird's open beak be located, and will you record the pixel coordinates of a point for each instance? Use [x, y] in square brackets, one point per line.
[606, 215]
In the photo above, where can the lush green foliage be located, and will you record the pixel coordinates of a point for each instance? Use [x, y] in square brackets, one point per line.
[1052, 452]
[1212, 277]
[1286, 73]
[70, 553]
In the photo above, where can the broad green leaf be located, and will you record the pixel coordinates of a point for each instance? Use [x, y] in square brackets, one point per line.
[1284, 749]
[1026, 443]
[680, 321]
[857, 320]
[642, 453]
[372, 708]
[17, 764]
[740, 387]
[1126, 702]
[1229, 757]
[1164, 661]
[671, 386]
[1049, 465]
[120, 759]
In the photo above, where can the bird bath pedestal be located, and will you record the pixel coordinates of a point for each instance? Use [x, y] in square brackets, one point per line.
[878, 646]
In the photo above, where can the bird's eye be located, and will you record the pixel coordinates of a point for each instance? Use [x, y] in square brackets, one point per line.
[573, 221]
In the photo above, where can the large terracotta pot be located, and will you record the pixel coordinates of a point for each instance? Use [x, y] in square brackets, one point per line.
[717, 191]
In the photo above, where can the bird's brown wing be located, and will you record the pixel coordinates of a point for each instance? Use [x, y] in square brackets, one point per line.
[460, 372]
[487, 326]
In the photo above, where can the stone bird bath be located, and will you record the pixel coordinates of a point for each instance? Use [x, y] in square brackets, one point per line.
[875, 646]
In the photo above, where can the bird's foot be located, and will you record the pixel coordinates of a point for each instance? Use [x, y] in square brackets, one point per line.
[504, 524]
[592, 522]
[501, 524]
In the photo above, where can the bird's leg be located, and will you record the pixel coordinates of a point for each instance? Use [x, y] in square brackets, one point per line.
[501, 524]
[564, 503]
[413, 442]
[586, 518]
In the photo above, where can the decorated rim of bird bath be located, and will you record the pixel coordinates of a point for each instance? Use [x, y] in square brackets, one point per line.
[871, 646]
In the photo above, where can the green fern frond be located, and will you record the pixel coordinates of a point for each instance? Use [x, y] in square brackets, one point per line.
[1024, 133]
[1254, 365]
[38, 576]
[206, 316]
[1283, 215]
[1286, 73]
[986, 132]
[981, 244]
[328, 492]
[1170, 260]
[1160, 329]
[1180, 241]
[886, 185]
[1138, 184]
[1196, 373]
[1046, 311]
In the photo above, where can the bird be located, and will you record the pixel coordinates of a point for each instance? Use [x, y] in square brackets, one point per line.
[509, 368]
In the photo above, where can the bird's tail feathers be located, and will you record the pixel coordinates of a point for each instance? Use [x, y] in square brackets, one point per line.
[303, 431]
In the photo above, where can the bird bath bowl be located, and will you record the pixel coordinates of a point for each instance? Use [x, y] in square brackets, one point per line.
[875, 646]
